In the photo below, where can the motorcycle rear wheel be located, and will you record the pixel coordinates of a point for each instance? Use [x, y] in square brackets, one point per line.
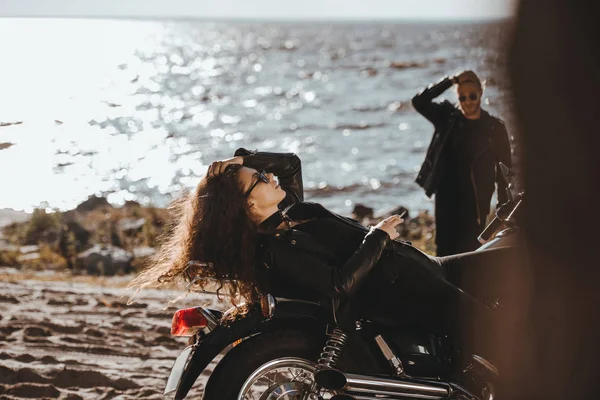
[273, 365]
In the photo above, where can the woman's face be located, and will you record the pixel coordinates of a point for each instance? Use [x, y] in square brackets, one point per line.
[263, 195]
[469, 96]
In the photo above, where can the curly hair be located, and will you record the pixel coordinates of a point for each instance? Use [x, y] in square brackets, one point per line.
[213, 226]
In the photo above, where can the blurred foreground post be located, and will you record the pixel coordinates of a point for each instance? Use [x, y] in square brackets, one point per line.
[555, 71]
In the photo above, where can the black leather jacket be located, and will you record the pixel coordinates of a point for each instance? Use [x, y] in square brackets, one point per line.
[372, 276]
[484, 170]
[298, 266]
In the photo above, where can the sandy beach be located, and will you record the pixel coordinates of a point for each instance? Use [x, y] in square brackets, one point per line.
[78, 339]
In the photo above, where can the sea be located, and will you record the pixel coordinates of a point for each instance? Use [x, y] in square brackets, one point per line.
[137, 110]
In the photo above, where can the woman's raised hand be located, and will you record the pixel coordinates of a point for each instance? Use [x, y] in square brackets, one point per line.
[218, 167]
[389, 224]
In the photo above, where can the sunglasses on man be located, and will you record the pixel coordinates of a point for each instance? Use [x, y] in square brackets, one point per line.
[472, 96]
[262, 177]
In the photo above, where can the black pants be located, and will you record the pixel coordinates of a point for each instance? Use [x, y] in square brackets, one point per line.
[452, 295]
[457, 227]
[479, 278]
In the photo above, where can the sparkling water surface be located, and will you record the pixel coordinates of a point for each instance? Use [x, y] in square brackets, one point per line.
[137, 110]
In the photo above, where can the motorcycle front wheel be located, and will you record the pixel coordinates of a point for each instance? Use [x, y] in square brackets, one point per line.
[271, 366]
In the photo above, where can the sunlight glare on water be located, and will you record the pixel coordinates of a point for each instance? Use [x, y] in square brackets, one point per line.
[61, 75]
[137, 110]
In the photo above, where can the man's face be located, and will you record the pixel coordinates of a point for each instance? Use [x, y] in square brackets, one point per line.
[469, 96]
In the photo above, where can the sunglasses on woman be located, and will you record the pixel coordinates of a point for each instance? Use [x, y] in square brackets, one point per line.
[472, 96]
[262, 177]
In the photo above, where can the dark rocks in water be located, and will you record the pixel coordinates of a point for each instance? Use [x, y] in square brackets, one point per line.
[2, 124]
[360, 126]
[367, 109]
[360, 212]
[288, 45]
[93, 203]
[305, 75]
[369, 71]
[105, 260]
[406, 64]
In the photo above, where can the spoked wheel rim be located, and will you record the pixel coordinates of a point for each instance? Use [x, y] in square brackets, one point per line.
[288, 378]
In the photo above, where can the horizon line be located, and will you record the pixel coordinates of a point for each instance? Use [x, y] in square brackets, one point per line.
[265, 19]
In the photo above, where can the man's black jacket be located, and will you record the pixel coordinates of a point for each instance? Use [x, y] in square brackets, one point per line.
[484, 170]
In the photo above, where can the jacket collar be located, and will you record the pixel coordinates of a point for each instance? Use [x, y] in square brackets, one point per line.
[270, 224]
[297, 212]
[484, 114]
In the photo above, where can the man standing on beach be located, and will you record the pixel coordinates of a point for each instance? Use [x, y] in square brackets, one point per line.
[461, 165]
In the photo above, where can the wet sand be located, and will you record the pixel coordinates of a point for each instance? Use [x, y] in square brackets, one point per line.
[80, 340]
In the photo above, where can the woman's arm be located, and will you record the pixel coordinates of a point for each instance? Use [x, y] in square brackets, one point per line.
[286, 166]
[309, 271]
[423, 103]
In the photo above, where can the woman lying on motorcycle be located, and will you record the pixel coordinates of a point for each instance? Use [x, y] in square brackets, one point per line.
[248, 223]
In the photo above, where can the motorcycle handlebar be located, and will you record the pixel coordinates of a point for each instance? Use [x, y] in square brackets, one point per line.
[490, 229]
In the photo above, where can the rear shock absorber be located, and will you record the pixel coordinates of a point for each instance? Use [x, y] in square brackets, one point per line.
[333, 349]
[326, 375]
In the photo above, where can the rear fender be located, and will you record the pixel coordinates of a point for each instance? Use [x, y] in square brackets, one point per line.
[288, 314]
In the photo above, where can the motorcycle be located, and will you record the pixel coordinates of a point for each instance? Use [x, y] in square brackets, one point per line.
[289, 349]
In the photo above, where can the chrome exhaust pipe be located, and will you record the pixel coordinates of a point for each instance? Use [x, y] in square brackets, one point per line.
[368, 387]
[365, 387]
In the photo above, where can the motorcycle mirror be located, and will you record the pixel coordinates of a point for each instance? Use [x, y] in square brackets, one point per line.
[508, 175]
